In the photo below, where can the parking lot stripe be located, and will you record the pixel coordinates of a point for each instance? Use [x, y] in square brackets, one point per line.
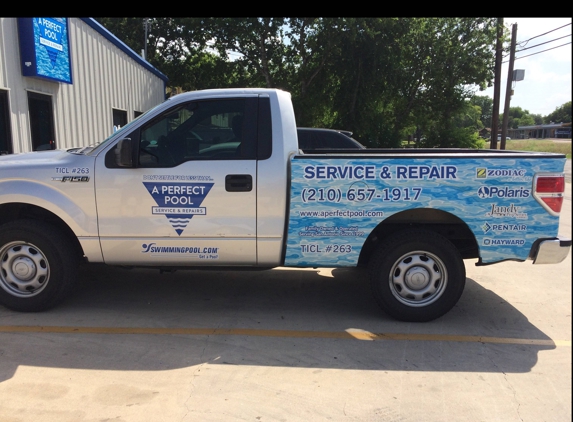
[349, 334]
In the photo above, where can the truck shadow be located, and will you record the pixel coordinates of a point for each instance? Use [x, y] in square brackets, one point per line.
[262, 312]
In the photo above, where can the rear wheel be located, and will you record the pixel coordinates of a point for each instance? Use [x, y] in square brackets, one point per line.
[38, 265]
[417, 275]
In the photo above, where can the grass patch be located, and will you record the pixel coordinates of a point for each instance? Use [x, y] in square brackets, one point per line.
[539, 145]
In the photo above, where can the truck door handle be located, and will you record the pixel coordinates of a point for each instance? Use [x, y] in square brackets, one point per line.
[238, 183]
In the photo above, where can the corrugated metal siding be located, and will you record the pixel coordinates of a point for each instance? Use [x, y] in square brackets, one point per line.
[104, 78]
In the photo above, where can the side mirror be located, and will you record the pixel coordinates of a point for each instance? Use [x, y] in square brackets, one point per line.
[124, 153]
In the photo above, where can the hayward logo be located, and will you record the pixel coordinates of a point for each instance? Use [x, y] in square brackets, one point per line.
[499, 228]
[486, 192]
[503, 242]
[179, 202]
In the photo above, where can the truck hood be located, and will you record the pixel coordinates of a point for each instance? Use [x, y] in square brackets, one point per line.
[53, 157]
[44, 160]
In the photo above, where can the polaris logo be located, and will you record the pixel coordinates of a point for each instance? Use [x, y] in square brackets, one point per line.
[486, 192]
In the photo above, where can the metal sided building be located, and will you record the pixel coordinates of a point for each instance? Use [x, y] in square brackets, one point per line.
[68, 82]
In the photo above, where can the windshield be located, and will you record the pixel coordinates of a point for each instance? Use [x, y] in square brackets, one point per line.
[125, 129]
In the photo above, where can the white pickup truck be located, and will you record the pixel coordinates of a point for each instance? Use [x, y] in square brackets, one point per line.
[215, 178]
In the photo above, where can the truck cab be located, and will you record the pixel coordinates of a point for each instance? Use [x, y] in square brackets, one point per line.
[198, 157]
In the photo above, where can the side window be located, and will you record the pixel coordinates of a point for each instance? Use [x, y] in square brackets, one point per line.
[202, 130]
[335, 140]
[119, 119]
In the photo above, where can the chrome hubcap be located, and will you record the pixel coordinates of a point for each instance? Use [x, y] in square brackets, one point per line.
[418, 278]
[24, 270]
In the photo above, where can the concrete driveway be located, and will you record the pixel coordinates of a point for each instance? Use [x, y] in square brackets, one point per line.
[290, 345]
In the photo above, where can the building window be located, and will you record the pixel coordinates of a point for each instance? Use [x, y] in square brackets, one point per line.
[41, 121]
[136, 114]
[5, 133]
[119, 119]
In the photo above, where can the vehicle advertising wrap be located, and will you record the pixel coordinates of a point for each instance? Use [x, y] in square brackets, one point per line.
[337, 202]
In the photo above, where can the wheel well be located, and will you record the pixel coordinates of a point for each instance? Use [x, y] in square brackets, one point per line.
[21, 211]
[441, 222]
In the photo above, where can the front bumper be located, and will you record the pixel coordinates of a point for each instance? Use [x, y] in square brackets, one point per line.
[550, 251]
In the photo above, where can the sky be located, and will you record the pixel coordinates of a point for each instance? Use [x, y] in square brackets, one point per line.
[547, 82]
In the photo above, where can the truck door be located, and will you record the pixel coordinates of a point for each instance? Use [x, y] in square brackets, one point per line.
[191, 197]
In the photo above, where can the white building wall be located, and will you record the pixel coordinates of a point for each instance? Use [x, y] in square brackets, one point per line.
[104, 77]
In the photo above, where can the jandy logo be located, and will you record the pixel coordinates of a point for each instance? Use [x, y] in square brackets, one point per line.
[486, 192]
[511, 211]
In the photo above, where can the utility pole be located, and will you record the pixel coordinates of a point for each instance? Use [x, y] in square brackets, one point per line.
[508, 89]
[145, 28]
[496, 84]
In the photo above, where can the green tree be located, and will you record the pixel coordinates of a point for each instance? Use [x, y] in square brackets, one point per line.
[486, 105]
[378, 77]
[390, 74]
[461, 131]
[537, 119]
[447, 59]
[519, 117]
[562, 114]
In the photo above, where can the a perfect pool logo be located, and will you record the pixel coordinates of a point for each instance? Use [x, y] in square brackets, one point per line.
[50, 34]
[179, 202]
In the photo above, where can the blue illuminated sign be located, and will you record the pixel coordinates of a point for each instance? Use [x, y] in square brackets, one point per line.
[45, 48]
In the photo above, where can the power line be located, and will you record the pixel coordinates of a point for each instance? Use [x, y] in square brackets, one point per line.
[533, 54]
[540, 35]
[552, 48]
[546, 42]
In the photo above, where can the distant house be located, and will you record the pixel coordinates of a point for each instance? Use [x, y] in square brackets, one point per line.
[552, 130]
[485, 133]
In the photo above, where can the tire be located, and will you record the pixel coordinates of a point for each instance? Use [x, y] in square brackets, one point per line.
[417, 275]
[38, 265]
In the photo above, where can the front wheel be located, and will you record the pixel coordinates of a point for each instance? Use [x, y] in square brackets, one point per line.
[417, 275]
[38, 265]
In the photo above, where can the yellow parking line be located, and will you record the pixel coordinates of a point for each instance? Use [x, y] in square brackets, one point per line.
[356, 334]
